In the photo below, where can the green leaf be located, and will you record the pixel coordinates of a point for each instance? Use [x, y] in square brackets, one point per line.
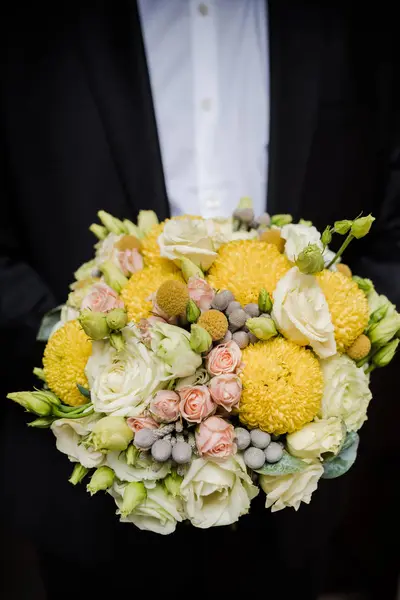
[340, 464]
[48, 323]
[84, 391]
[287, 465]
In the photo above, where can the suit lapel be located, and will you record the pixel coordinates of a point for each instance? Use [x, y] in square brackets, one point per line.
[113, 54]
[296, 38]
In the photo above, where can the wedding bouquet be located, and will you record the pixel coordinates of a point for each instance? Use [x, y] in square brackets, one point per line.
[198, 360]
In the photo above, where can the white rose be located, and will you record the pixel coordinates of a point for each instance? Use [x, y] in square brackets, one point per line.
[290, 490]
[105, 250]
[144, 469]
[159, 512]
[301, 313]
[299, 237]
[122, 382]
[217, 493]
[68, 313]
[189, 238]
[322, 435]
[346, 391]
[69, 436]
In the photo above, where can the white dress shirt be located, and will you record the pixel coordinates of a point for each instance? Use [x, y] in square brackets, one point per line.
[209, 73]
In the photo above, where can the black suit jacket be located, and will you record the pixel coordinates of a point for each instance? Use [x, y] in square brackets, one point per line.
[78, 134]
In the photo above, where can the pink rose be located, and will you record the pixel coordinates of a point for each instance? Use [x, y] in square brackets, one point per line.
[224, 358]
[200, 292]
[225, 390]
[214, 438]
[196, 403]
[130, 261]
[165, 406]
[138, 423]
[101, 298]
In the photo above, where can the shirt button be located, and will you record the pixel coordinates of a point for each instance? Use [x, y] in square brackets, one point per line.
[203, 9]
[206, 104]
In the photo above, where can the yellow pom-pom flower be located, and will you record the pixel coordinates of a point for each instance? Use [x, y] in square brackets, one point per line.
[246, 266]
[348, 306]
[64, 362]
[142, 284]
[282, 386]
[172, 297]
[215, 322]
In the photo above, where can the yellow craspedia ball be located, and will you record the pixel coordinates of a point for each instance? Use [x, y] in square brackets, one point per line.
[172, 297]
[282, 386]
[348, 306]
[360, 348]
[215, 322]
[142, 284]
[64, 362]
[246, 266]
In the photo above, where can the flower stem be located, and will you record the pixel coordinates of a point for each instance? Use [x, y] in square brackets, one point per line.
[370, 369]
[341, 249]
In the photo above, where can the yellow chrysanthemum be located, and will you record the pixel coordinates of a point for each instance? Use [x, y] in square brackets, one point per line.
[64, 362]
[246, 266]
[348, 306]
[150, 248]
[142, 284]
[282, 386]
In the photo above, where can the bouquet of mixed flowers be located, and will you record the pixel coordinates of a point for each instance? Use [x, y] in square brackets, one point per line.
[198, 360]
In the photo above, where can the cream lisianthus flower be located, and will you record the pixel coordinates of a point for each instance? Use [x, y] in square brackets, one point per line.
[69, 435]
[312, 440]
[142, 468]
[217, 493]
[290, 490]
[171, 344]
[346, 391]
[298, 237]
[158, 512]
[195, 239]
[301, 313]
[121, 383]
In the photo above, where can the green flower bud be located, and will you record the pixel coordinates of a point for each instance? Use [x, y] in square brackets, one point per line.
[42, 423]
[78, 474]
[310, 260]
[281, 220]
[383, 357]
[245, 202]
[134, 494]
[112, 224]
[132, 229]
[147, 219]
[94, 324]
[34, 402]
[99, 231]
[189, 269]
[264, 301]
[343, 227]
[131, 455]
[262, 327]
[365, 285]
[306, 223]
[172, 484]
[200, 339]
[382, 332]
[378, 314]
[361, 226]
[192, 311]
[39, 373]
[102, 479]
[113, 276]
[111, 433]
[117, 318]
[117, 341]
[326, 236]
